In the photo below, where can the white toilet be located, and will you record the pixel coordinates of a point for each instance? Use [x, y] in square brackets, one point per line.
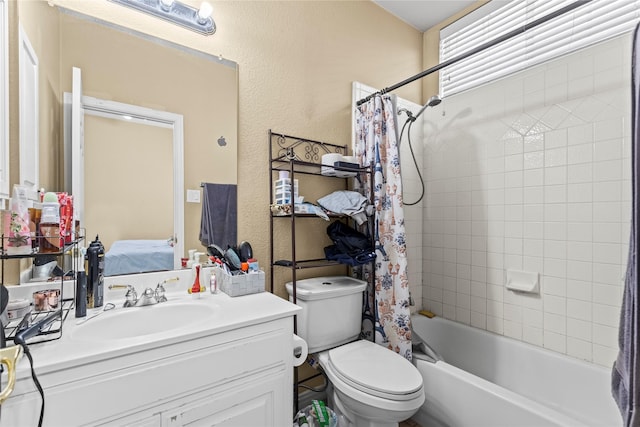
[370, 386]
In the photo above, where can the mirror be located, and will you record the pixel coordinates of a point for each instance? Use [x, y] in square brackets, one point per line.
[125, 66]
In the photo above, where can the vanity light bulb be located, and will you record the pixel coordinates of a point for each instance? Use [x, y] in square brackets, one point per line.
[166, 5]
[204, 13]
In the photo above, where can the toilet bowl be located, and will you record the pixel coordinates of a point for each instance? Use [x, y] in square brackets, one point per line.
[369, 385]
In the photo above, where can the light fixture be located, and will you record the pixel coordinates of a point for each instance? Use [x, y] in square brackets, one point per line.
[204, 13]
[166, 5]
[198, 20]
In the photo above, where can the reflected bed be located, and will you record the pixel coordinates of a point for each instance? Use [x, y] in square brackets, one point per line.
[137, 256]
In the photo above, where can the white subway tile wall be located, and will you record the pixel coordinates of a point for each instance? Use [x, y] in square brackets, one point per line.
[532, 172]
[412, 213]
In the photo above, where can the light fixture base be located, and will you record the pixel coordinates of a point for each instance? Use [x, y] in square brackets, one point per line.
[177, 13]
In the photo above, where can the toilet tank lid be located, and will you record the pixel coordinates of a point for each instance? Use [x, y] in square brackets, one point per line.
[326, 287]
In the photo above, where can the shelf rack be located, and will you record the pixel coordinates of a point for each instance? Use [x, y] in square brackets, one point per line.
[298, 155]
[301, 156]
[50, 329]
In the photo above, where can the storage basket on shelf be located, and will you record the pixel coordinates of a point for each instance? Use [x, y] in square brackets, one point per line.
[240, 284]
[282, 191]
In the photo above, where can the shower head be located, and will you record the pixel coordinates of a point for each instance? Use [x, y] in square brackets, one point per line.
[432, 102]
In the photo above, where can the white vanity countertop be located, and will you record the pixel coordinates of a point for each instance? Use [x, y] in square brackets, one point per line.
[228, 314]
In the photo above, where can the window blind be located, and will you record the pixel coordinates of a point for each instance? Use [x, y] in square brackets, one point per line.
[588, 24]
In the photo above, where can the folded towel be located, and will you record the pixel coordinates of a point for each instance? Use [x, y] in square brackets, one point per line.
[219, 220]
[349, 203]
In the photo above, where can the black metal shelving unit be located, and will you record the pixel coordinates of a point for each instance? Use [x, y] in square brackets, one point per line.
[301, 156]
[52, 326]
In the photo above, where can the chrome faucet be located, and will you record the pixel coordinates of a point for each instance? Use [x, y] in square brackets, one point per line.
[148, 297]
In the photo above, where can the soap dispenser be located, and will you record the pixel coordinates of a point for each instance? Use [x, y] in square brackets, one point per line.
[192, 259]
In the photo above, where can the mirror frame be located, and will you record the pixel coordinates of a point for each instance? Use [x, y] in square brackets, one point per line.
[142, 115]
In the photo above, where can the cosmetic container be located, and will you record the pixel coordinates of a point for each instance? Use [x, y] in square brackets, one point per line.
[50, 240]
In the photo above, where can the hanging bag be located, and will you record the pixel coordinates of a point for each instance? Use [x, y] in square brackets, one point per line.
[349, 245]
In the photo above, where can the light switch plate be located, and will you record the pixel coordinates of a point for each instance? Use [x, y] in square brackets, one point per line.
[193, 196]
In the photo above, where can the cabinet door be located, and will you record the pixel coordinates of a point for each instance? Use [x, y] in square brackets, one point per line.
[254, 404]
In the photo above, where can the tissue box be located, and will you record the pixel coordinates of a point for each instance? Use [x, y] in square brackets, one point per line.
[241, 284]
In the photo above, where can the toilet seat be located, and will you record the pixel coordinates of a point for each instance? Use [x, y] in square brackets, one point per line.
[375, 370]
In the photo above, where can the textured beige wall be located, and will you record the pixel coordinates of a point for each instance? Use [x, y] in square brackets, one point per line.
[297, 61]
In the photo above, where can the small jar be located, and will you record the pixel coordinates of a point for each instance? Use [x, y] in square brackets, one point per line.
[17, 309]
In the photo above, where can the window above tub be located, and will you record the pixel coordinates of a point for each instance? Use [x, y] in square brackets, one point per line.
[591, 23]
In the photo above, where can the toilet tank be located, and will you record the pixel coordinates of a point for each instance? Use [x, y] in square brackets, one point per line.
[331, 310]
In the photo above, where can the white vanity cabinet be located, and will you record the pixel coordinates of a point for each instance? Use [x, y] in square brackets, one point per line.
[241, 377]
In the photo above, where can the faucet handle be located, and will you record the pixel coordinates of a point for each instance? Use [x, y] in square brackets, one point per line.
[160, 293]
[169, 280]
[131, 296]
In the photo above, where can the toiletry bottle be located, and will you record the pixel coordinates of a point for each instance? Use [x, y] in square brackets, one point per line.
[213, 281]
[95, 273]
[35, 214]
[50, 240]
[197, 287]
[17, 230]
[81, 294]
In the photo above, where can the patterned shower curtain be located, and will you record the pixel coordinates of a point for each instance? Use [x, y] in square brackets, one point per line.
[625, 375]
[386, 308]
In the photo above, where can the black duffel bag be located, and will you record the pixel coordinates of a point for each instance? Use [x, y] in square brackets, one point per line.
[349, 245]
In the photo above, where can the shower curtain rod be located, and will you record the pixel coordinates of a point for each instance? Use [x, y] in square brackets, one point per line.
[478, 49]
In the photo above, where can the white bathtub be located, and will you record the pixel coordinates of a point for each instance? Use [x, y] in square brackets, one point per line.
[490, 380]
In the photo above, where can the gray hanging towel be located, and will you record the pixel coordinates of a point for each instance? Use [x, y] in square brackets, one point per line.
[219, 221]
[625, 376]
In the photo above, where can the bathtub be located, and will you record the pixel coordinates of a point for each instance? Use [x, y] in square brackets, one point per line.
[490, 380]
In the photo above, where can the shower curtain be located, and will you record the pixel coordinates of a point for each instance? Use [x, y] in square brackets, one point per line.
[386, 313]
[625, 378]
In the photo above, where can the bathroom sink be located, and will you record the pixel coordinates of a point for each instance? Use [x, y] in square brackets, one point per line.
[136, 322]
